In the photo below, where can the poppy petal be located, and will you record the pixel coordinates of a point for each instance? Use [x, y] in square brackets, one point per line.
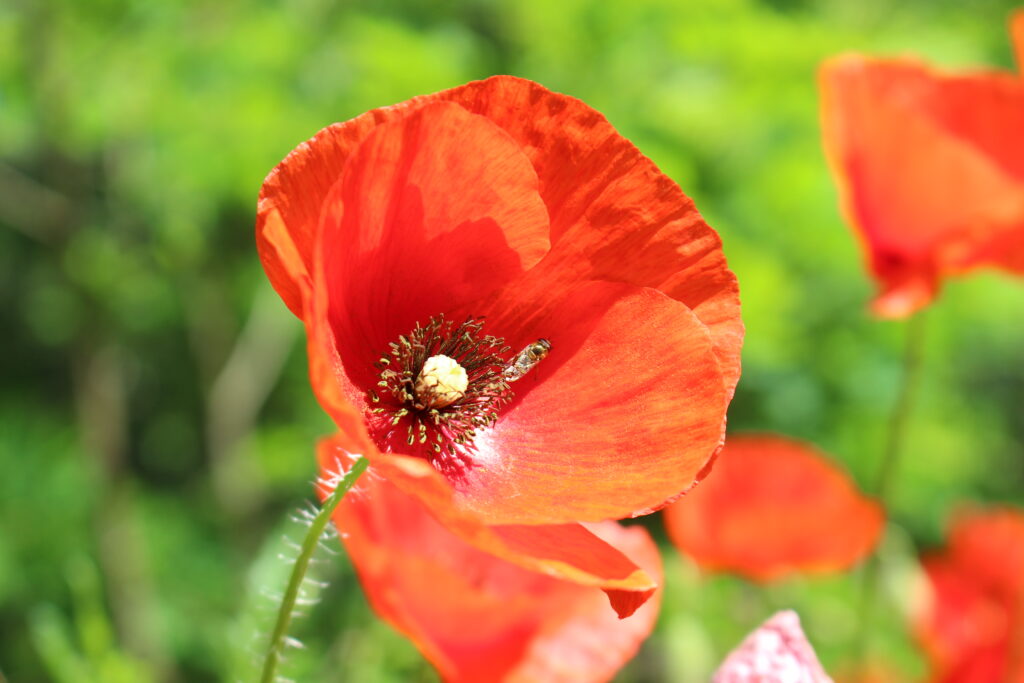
[777, 652]
[295, 190]
[963, 630]
[989, 546]
[972, 627]
[432, 211]
[606, 199]
[930, 171]
[621, 416]
[771, 507]
[290, 201]
[477, 617]
[569, 552]
[331, 386]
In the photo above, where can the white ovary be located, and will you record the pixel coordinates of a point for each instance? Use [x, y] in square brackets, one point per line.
[441, 382]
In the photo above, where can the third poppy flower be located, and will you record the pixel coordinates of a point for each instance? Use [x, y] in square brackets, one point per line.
[930, 167]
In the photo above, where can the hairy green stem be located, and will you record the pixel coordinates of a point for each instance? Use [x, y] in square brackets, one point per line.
[913, 355]
[309, 543]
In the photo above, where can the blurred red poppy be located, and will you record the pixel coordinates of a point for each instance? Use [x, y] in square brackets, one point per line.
[474, 616]
[426, 244]
[777, 652]
[972, 627]
[771, 507]
[930, 168]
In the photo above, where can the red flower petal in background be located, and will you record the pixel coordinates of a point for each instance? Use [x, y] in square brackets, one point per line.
[777, 652]
[507, 203]
[477, 617]
[774, 506]
[930, 168]
[973, 626]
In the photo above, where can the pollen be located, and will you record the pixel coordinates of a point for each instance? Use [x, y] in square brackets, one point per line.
[441, 382]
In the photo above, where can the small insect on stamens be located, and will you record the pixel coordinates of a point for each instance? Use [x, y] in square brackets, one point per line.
[527, 359]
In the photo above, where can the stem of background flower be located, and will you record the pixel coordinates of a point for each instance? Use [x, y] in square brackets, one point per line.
[912, 360]
[309, 543]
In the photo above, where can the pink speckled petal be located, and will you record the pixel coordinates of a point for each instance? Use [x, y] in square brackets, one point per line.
[777, 652]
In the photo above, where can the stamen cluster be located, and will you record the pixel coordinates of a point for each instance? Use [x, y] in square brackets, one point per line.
[442, 433]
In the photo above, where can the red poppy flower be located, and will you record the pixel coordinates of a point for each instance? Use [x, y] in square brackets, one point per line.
[474, 616]
[777, 652]
[930, 168]
[774, 506]
[426, 244]
[973, 625]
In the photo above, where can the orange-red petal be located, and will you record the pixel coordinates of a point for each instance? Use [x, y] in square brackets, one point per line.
[930, 169]
[569, 552]
[606, 199]
[293, 195]
[475, 616]
[972, 627]
[989, 546]
[964, 630]
[773, 506]
[621, 416]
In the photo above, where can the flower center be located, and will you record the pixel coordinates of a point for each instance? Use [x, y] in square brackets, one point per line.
[438, 385]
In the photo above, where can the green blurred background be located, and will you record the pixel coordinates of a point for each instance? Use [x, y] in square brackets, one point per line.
[156, 426]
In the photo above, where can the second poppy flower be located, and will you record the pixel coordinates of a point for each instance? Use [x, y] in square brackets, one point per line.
[774, 506]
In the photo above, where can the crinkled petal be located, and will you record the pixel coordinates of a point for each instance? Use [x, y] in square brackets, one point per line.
[396, 487]
[771, 507]
[777, 652]
[930, 170]
[622, 415]
[606, 199]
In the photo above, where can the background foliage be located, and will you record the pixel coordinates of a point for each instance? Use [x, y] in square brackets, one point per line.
[156, 427]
